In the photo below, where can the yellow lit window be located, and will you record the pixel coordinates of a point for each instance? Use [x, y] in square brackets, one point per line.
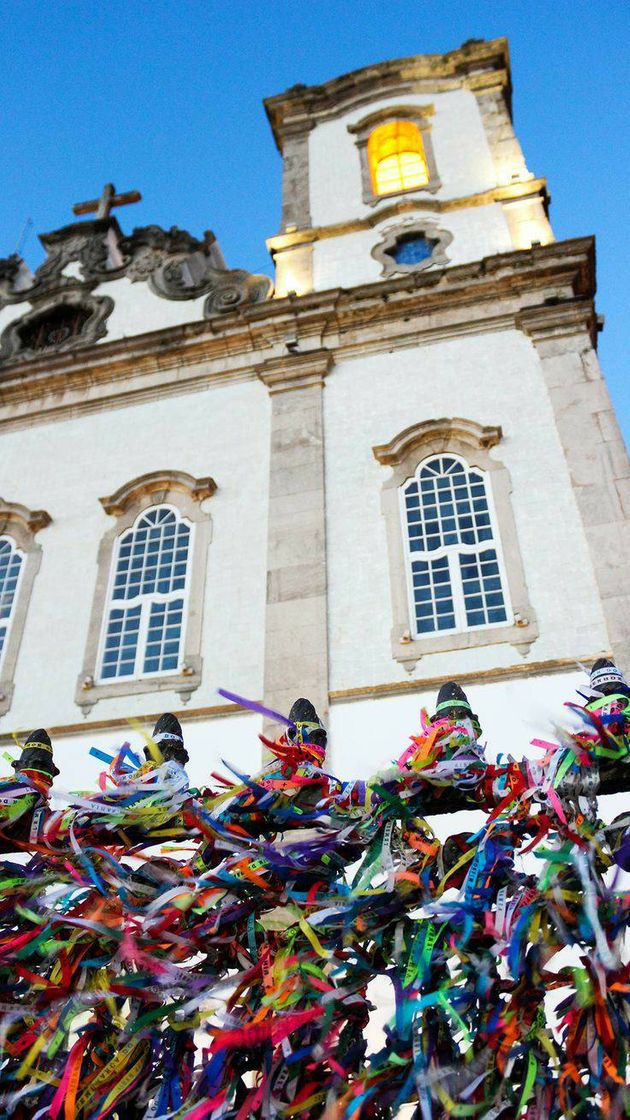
[396, 157]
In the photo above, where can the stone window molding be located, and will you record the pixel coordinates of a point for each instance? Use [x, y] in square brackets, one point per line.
[188, 495]
[97, 310]
[20, 525]
[420, 115]
[472, 442]
[383, 251]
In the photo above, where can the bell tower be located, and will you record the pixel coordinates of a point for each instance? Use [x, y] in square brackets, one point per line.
[405, 164]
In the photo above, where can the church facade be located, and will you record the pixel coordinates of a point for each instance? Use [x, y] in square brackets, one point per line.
[394, 464]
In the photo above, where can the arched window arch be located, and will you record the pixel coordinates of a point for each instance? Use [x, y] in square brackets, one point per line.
[11, 565]
[396, 157]
[144, 626]
[455, 570]
[457, 575]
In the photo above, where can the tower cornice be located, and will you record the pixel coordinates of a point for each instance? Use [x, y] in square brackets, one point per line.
[510, 192]
[477, 64]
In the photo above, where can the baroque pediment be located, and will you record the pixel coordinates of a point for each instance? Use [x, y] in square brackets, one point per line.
[175, 265]
[60, 308]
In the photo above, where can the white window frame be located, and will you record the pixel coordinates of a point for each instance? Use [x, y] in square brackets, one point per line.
[18, 588]
[146, 601]
[453, 552]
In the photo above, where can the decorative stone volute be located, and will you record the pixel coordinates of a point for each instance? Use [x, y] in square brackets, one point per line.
[14, 516]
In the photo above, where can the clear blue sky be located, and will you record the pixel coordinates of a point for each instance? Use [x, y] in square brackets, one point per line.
[165, 96]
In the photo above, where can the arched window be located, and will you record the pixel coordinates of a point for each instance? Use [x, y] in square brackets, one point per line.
[146, 621]
[10, 571]
[144, 624]
[396, 158]
[455, 568]
[20, 559]
[457, 576]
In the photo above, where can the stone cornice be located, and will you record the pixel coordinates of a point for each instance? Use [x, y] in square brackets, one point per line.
[295, 371]
[404, 310]
[556, 320]
[337, 696]
[510, 192]
[476, 63]
[474, 676]
[121, 723]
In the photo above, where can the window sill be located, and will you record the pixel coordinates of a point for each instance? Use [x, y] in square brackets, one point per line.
[185, 682]
[408, 651]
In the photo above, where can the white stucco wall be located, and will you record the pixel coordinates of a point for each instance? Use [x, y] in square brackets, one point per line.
[462, 155]
[138, 310]
[367, 735]
[494, 378]
[65, 467]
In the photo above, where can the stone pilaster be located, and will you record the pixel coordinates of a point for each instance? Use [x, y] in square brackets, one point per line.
[595, 453]
[507, 153]
[296, 204]
[296, 630]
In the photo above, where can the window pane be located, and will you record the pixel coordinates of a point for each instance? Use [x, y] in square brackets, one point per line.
[396, 157]
[121, 642]
[483, 595]
[433, 597]
[453, 506]
[453, 511]
[147, 554]
[10, 565]
[164, 636]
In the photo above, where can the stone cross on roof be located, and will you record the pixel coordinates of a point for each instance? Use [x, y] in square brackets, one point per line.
[103, 206]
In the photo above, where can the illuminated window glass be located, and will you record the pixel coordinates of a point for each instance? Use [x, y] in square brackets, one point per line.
[396, 157]
[145, 620]
[454, 563]
[10, 570]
